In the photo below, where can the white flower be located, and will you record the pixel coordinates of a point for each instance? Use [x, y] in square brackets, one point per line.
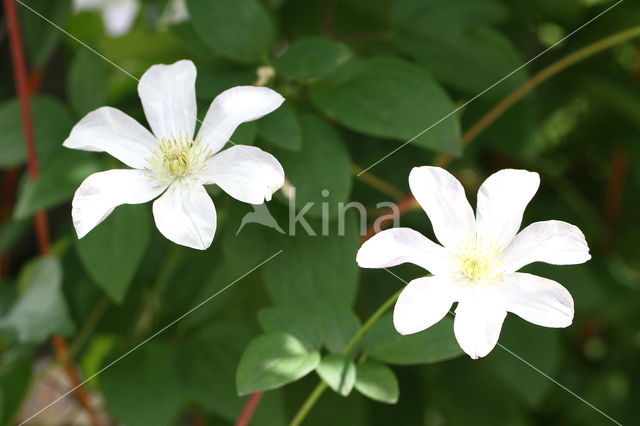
[477, 262]
[171, 163]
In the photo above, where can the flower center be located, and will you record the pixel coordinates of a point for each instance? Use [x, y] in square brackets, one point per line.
[478, 263]
[178, 158]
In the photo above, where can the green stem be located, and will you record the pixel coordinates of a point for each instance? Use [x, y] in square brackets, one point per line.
[322, 386]
[89, 325]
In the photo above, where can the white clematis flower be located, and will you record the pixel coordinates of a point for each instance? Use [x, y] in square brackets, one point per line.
[171, 163]
[477, 263]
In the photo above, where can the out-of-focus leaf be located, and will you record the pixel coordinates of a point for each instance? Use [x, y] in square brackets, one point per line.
[282, 128]
[239, 30]
[217, 75]
[312, 57]
[10, 233]
[87, 81]
[454, 41]
[390, 98]
[41, 38]
[299, 323]
[113, 250]
[15, 377]
[144, 388]
[40, 310]
[320, 171]
[326, 273]
[273, 360]
[437, 343]
[52, 124]
[339, 372]
[245, 134]
[378, 382]
[59, 178]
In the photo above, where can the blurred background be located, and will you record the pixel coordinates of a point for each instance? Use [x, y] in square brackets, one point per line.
[361, 77]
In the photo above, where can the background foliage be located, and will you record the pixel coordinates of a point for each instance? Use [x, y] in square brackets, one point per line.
[360, 78]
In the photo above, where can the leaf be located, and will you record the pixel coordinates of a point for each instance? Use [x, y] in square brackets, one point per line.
[273, 360]
[41, 38]
[282, 128]
[41, 310]
[327, 273]
[154, 394]
[52, 124]
[455, 41]
[15, 378]
[299, 323]
[339, 372]
[390, 98]
[320, 171]
[312, 57]
[435, 344]
[59, 178]
[378, 382]
[238, 30]
[87, 81]
[218, 74]
[339, 324]
[112, 252]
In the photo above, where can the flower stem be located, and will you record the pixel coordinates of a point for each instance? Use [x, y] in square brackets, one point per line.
[322, 386]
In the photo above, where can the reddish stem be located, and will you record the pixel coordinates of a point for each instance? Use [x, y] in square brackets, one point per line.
[249, 408]
[23, 86]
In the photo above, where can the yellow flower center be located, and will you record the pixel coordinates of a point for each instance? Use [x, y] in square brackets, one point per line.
[178, 158]
[478, 263]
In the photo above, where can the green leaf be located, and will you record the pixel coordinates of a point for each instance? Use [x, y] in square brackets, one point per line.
[15, 378]
[143, 388]
[312, 57]
[52, 124]
[320, 171]
[453, 40]
[390, 98]
[41, 38]
[339, 372]
[111, 253]
[327, 273]
[273, 360]
[41, 309]
[87, 81]
[238, 30]
[435, 344]
[378, 382]
[298, 322]
[217, 75]
[338, 322]
[59, 178]
[282, 128]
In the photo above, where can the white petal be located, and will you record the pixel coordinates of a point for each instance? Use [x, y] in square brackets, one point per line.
[234, 107]
[399, 245]
[119, 15]
[111, 130]
[168, 95]
[246, 173]
[185, 214]
[422, 303]
[102, 192]
[538, 300]
[478, 322]
[502, 199]
[552, 241]
[442, 198]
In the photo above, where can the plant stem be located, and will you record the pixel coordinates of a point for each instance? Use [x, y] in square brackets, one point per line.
[322, 386]
[92, 321]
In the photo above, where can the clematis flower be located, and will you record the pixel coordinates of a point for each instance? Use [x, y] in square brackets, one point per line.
[171, 163]
[477, 262]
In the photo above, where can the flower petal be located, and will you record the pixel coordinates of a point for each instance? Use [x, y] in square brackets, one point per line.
[422, 303]
[102, 192]
[479, 318]
[246, 173]
[185, 214]
[552, 241]
[399, 245]
[538, 300]
[110, 130]
[442, 197]
[233, 107]
[168, 95]
[118, 16]
[502, 199]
